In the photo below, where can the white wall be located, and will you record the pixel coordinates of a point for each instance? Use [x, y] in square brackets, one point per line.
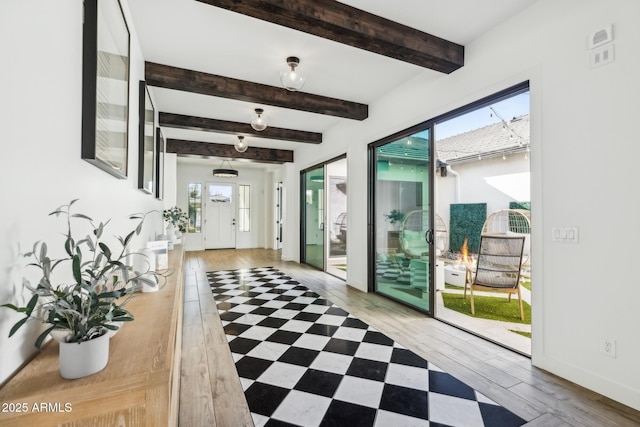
[291, 214]
[474, 188]
[583, 147]
[274, 177]
[261, 182]
[40, 167]
[170, 195]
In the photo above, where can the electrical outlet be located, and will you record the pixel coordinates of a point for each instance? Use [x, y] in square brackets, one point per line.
[601, 56]
[608, 347]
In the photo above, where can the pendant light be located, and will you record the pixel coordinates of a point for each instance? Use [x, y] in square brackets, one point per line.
[223, 172]
[240, 145]
[291, 79]
[259, 122]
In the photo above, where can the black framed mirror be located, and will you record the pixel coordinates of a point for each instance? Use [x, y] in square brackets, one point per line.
[105, 87]
[146, 141]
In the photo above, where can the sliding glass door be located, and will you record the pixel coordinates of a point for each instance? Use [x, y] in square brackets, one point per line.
[401, 233]
[313, 216]
[323, 213]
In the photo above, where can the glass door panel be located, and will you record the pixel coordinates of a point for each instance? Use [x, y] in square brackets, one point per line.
[220, 224]
[314, 217]
[402, 220]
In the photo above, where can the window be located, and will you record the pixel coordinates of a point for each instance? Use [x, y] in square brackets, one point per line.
[195, 207]
[244, 208]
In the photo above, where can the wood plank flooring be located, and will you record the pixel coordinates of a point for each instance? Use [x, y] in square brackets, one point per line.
[211, 393]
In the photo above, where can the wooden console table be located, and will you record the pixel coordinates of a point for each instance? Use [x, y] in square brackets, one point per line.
[140, 385]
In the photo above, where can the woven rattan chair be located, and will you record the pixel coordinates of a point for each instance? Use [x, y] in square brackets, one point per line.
[498, 268]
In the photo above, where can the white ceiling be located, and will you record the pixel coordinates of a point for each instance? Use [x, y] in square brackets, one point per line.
[193, 35]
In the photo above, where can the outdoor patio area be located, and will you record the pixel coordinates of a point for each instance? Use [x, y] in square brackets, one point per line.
[498, 331]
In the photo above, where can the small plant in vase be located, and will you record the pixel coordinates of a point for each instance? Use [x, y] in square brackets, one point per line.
[177, 222]
[90, 299]
[394, 217]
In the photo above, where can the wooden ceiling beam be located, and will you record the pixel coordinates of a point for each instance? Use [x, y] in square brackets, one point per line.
[209, 149]
[169, 77]
[213, 125]
[345, 24]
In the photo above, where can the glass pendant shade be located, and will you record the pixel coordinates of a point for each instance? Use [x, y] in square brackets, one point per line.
[291, 79]
[240, 145]
[259, 122]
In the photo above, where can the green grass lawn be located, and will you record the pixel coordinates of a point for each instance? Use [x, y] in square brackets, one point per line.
[524, 334]
[449, 286]
[492, 308]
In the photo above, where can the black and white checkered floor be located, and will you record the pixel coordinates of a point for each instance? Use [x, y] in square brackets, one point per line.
[304, 361]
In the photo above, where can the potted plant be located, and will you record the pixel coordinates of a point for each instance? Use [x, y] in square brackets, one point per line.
[395, 216]
[90, 300]
[177, 222]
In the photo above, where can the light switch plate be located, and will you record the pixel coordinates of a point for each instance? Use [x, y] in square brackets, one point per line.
[564, 234]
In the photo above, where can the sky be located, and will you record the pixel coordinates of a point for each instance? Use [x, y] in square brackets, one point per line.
[507, 109]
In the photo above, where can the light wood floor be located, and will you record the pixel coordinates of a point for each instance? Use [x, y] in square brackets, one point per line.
[211, 394]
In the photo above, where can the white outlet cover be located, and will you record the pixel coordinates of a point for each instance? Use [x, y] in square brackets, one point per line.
[608, 347]
[601, 56]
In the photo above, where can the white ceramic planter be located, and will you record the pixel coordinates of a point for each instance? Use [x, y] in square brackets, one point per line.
[171, 233]
[79, 360]
[112, 333]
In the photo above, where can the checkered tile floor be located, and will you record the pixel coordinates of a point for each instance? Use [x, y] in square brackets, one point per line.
[304, 361]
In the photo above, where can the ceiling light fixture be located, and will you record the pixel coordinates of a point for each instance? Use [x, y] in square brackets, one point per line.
[223, 172]
[240, 145]
[291, 79]
[259, 122]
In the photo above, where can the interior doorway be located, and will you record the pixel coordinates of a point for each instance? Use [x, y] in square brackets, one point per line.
[324, 217]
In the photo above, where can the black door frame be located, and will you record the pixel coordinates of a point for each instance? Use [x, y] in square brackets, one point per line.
[371, 232]
[430, 125]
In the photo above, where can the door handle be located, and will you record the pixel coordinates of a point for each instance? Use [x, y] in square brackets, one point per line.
[428, 236]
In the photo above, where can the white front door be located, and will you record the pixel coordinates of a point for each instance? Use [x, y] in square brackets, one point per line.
[220, 225]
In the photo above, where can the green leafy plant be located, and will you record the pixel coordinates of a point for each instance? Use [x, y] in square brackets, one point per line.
[176, 217]
[394, 216]
[102, 283]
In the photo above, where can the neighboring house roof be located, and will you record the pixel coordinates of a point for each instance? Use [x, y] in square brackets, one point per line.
[489, 141]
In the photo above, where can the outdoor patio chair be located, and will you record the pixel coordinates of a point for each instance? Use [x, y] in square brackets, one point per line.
[498, 267]
[412, 237]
